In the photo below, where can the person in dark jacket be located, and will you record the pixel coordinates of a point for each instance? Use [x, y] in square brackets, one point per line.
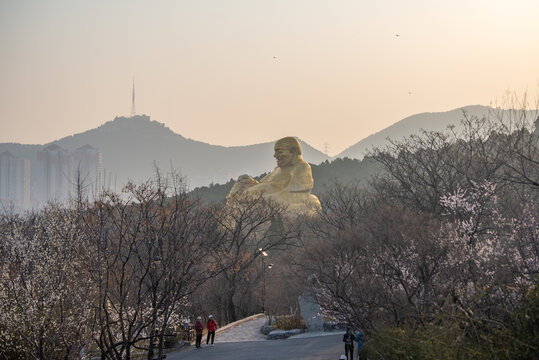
[211, 326]
[348, 340]
[198, 330]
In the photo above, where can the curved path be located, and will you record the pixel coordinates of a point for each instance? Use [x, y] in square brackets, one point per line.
[243, 330]
[242, 340]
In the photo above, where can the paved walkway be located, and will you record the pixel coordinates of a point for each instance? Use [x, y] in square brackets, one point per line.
[316, 334]
[243, 340]
[243, 330]
[315, 348]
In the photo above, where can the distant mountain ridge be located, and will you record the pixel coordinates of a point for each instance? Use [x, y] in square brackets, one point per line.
[131, 147]
[437, 121]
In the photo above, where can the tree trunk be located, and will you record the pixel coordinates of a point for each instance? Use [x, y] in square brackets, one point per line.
[231, 309]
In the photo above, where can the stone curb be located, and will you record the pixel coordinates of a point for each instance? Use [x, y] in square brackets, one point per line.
[236, 323]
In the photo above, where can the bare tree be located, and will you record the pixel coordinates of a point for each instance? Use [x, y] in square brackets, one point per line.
[446, 237]
[43, 297]
[248, 228]
[146, 252]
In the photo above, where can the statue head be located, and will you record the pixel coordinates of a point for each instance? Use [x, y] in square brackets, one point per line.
[287, 151]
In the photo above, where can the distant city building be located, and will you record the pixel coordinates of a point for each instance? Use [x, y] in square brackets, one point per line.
[55, 174]
[64, 175]
[88, 171]
[14, 181]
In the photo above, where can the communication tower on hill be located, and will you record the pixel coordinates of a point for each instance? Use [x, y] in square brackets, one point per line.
[326, 148]
[133, 110]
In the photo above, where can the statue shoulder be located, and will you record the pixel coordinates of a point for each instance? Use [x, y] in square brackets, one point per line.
[270, 175]
[302, 167]
[301, 178]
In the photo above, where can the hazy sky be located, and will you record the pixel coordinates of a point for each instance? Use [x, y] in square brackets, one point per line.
[244, 72]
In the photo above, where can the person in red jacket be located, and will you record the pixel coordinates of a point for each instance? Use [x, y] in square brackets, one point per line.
[198, 330]
[211, 326]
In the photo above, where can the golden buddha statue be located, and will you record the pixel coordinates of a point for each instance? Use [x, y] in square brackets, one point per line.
[289, 184]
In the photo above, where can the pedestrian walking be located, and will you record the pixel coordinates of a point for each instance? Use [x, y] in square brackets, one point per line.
[211, 326]
[199, 326]
[360, 339]
[348, 340]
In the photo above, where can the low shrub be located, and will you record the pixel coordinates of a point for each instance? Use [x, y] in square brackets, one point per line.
[172, 337]
[289, 322]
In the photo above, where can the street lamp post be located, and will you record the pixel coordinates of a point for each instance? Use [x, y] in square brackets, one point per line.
[264, 254]
[269, 266]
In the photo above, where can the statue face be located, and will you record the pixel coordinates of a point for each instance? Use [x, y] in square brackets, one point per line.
[283, 154]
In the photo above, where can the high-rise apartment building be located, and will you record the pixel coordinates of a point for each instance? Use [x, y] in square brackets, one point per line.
[63, 174]
[55, 174]
[14, 181]
[87, 171]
